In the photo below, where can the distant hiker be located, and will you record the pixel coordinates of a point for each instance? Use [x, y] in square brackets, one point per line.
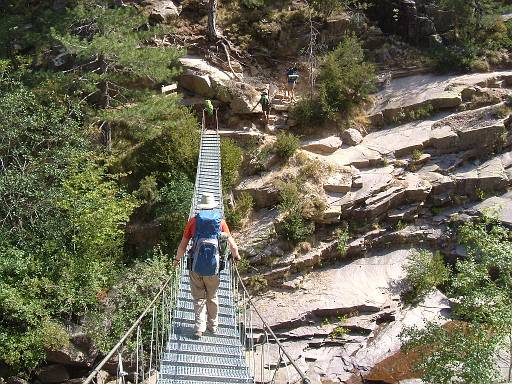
[265, 104]
[209, 118]
[206, 229]
[292, 75]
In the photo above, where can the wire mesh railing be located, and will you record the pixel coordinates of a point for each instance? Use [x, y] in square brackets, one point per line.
[137, 355]
[267, 358]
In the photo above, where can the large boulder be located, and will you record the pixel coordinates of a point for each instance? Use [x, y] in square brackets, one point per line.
[199, 84]
[352, 136]
[262, 190]
[323, 146]
[162, 11]
[70, 356]
[206, 80]
[244, 97]
[53, 373]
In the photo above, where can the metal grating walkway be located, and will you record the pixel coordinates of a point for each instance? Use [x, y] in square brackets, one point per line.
[213, 359]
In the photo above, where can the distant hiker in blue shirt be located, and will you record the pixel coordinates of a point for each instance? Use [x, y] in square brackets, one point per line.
[292, 75]
[206, 229]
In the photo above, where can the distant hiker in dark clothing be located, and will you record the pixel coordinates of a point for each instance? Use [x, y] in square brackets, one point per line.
[265, 105]
[292, 75]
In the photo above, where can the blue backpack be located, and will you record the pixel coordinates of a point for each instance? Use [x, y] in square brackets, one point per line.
[205, 251]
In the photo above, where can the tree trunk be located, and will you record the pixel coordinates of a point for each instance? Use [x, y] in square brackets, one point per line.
[212, 20]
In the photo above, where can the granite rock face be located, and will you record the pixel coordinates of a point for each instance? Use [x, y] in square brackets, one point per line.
[397, 189]
[204, 79]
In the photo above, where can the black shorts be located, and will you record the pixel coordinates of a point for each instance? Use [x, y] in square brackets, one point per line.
[265, 108]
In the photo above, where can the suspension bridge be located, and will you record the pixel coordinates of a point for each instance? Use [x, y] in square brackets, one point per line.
[159, 347]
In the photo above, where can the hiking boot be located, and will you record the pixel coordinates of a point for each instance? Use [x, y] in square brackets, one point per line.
[198, 334]
[212, 330]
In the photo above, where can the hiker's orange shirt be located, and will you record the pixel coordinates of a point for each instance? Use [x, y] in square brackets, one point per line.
[190, 229]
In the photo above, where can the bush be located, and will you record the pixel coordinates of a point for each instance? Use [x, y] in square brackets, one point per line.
[343, 237]
[454, 58]
[313, 170]
[425, 271]
[480, 65]
[294, 227]
[326, 7]
[308, 112]
[456, 352]
[243, 265]
[235, 216]
[257, 283]
[127, 299]
[231, 160]
[345, 79]
[173, 207]
[286, 145]
[416, 154]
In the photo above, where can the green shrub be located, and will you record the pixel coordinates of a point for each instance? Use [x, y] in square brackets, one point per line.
[313, 170]
[286, 144]
[231, 159]
[343, 237]
[326, 7]
[400, 225]
[294, 227]
[257, 283]
[480, 65]
[235, 216]
[127, 299]
[424, 272]
[308, 113]
[456, 352]
[345, 79]
[243, 265]
[454, 58]
[173, 207]
[339, 332]
[416, 154]
[417, 113]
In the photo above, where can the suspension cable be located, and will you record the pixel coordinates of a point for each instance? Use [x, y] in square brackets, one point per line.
[96, 370]
[304, 378]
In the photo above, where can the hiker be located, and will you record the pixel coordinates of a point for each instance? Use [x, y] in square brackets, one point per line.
[205, 228]
[265, 104]
[209, 120]
[292, 75]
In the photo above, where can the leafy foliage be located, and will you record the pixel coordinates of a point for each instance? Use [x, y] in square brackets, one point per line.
[345, 79]
[62, 223]
[127, 300]
[479, 30]
[294, 227]
[343, 238]
[425, 271]
[235, 216]
[308, 112]
[231, 160]
[173, 207]
[156, 136]
[458, 352]
[480, 289]
[109, 45]
[482, 284]
[286, 144]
